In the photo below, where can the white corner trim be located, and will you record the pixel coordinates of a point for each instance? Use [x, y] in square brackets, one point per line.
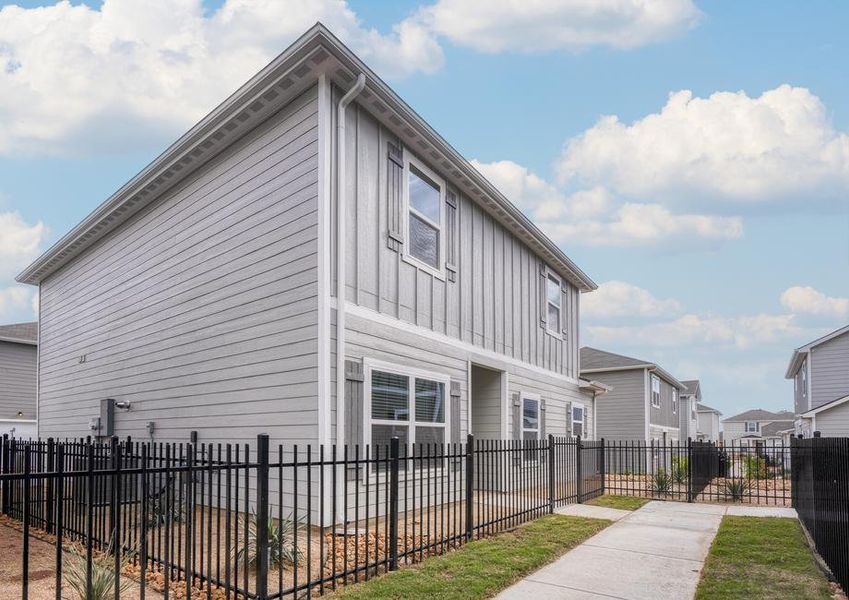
[325, 186]
[476, 353]
[646, 402]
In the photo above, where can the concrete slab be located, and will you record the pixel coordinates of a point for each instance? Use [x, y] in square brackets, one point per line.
[534, 590]
[592, 512]
[622, 574]
[762, 511]
[701, 509]
[677, 520]
[655, 540]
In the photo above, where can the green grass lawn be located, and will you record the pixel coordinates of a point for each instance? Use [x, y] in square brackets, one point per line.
[481, 568]
[620, 502]
[757, 557]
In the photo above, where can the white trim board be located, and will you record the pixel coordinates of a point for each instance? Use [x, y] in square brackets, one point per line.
[825, 407]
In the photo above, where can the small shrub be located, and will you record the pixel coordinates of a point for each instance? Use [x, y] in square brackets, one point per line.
[755, 468]
[103, 575]
[736, 489]
[661, 482]
[680, 466]
[159, 513]
[281, 547]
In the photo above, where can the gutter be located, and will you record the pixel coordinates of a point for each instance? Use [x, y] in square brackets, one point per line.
[341, 243]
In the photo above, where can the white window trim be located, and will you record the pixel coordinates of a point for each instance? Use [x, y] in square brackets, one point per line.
[583, 420]
[406, 256]
[659, 402]
[746, 427]
[675, 400]
[536, 398]
[370, 365]
[558, 332]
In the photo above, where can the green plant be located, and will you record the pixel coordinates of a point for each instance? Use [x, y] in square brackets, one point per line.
[680, 467]
[281, 538]
[661, 482]
[755, 467]
[736, 489]
[103, 575]
[159, 512]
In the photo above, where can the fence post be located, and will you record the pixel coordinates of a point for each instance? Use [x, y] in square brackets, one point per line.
[689, 469]
[51, 466]
[262, 517]
[60, 521]
[25, 561]
[603, 467]
[470, 482]
[551, 480]
[579, 484]
[394, 449]
[6, 470]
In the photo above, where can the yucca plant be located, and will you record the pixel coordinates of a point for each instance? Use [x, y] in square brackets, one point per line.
[679, 469]
[736, 489]
[103, 575]
[281, 546]
[661, 482]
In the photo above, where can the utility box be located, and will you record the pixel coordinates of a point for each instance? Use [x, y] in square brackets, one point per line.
[107, 417]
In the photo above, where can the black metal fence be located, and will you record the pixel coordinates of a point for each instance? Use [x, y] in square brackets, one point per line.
[757, 473]
[235, 521]
[820, 473]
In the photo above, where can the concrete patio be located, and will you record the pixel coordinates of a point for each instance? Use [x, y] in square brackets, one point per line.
[656, 552]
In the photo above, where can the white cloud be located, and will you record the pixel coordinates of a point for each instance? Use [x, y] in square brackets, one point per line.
[16, 304]
[729, 146]
[621, 299]
[739, 332]
[19, 243]
[543, 25]
[807, 300]
[76, 79]
[595, 217]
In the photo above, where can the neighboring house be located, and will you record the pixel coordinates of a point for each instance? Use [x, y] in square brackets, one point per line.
[820, 374]
[687, 413]
[708, 426]
[756, 425]
[643, 402]
[218, 292]
[18, 366]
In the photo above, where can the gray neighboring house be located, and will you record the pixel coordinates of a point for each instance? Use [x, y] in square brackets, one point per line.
[18, 367]
[757, 425]
[688, 413]
[643, 402]
[708, 429]
[820, 374]
[218, 292]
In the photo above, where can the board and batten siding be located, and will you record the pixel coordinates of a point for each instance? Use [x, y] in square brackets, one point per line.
[621, 412]
[17, 380]
[664, 416]
[829, 371]
[201, 310]
[494, 302]
[800, 389]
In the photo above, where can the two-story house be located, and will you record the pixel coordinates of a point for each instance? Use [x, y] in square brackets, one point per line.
[688, 413]
[820, 374]
[707, 429]
[312, 261]
[756, 425]
[18, 361]
[643, 402]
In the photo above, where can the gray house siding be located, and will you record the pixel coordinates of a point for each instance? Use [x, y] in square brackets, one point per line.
[17, 380]
[494, 302]
[664, 416]
[202, 309]
[621, 412]
[800, 389]
[830, 370]
[834, 422]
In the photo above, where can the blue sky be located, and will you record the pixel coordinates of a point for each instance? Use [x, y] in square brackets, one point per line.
[716, 222]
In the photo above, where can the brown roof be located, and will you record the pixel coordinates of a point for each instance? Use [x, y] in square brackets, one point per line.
[759, 414]
[27, 332]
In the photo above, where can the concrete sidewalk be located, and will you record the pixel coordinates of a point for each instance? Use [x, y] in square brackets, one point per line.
[654, 553]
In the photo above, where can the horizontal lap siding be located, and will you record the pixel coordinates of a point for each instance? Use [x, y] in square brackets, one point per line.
[620, 413]
[202, 309]
[494, 303]
[17, 380]
[834, 422]
[557, 395]
[830, 371]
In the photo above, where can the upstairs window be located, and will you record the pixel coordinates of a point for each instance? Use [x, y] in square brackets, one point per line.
[578, 413]
[751, 426]
[553, 303]
[655, 391]
[425, 219]
[674, 401]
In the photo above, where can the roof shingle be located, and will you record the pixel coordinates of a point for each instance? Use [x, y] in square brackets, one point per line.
[592, 358]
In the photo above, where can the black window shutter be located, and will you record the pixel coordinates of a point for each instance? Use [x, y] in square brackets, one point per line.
[354, 417]
[451, 235]
[455, 412]
[517, 425]
[565, 304]
[568, 418]
[542, 419]
[543, 305]
[395, 196]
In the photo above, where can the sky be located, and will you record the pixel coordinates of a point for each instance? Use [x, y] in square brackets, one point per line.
[692, 157]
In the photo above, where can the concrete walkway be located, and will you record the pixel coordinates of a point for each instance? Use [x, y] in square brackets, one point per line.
[654, 553]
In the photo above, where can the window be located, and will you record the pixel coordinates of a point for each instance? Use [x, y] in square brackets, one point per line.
[406, 404]
[425, 200]
[530, 418]
[655, 391]
[751, 426]
[693, 409]
[674, 401]
[578, 420]
[553, 300]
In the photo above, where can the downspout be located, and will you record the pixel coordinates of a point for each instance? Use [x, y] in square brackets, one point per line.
[341, 213]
